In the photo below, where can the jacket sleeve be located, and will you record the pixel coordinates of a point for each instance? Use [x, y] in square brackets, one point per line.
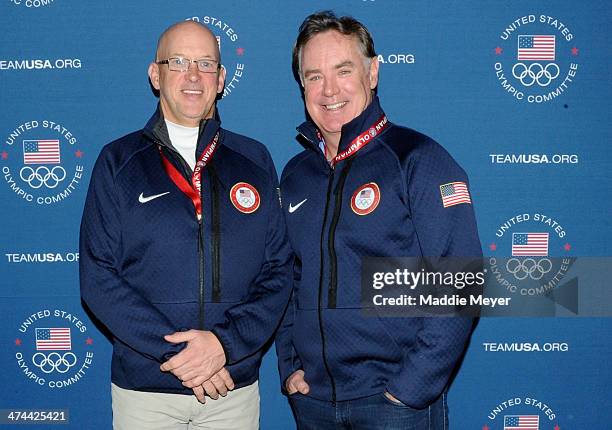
[288, 360]
[249, 325]
[442, 232]
[126, 313]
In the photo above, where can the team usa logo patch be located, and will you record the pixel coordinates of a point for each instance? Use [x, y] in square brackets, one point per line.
[42, 162]
[531, 256]
[454, 193]
[245, 197]
[53, 348]
[536, 58]
[365, 199]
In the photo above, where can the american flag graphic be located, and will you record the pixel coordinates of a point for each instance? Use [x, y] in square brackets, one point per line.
[540, 47]
[521, 422]
[55, 338]
[529, 244]
[365, 194]
[41, 152]
[454, 193]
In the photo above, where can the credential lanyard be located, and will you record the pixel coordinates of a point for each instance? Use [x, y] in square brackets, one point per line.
[193, 189]
[362, 140]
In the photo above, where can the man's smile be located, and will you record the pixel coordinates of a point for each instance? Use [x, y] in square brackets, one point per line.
[335, 106]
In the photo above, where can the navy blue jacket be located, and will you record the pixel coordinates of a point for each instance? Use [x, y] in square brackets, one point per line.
[344, 354]
[150, 269]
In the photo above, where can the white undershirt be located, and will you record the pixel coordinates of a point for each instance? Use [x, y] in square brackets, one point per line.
[184, 139]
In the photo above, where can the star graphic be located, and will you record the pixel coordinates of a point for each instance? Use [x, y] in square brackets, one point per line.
[239, 51]
[4, 155]
[574, 51]
[493, 247]
[18, 342]
[567, 246]
[78, 153]
[89, 341]
[557, 427]
[485, 427]
[498, 51]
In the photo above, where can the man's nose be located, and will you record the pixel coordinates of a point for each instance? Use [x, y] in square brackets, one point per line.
[330, 87]
[193, 73]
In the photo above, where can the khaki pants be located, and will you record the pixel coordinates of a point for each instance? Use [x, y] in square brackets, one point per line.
[138, 410]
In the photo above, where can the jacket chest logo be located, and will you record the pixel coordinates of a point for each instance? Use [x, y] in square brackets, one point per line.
[365, 199]
[245, 197]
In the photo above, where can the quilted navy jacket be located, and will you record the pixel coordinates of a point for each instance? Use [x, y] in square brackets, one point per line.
[149, 268]
[344, 354]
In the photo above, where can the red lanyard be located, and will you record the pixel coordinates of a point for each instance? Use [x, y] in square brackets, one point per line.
[362, 140]
[192, 190]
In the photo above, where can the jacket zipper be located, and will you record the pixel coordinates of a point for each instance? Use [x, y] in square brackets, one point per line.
[201, 273]
[333, 262]
[325, 363]
[331, 237]
[216, 236]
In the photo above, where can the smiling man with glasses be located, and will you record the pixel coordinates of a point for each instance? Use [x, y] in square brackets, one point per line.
[187, 94]
[164, 264]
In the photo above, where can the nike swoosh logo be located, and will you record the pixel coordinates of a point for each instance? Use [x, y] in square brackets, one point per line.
[143, 199]
[294, 208]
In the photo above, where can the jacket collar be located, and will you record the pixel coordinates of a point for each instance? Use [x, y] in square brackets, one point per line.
[156, 130]
[361, 123]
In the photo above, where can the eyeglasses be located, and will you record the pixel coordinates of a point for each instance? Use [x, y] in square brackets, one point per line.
[180, 64]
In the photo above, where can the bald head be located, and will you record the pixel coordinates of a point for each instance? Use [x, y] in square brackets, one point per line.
[179, 30]
[187, 96]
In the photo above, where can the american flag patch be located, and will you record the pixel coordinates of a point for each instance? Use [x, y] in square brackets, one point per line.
[454, 193]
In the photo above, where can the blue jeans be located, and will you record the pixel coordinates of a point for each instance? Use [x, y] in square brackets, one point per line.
[368, 413]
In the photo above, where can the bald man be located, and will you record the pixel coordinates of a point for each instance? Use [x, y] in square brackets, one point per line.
[184, 254]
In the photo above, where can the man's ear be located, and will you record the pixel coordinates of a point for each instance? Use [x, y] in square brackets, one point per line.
[154, 75]
[221, 81]
[373, 73]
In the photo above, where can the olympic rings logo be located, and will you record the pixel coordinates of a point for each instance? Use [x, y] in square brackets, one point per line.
[529, 267]
[54, 362]
[246, 201]
[535, 73]
[42, 176]
[364, 203]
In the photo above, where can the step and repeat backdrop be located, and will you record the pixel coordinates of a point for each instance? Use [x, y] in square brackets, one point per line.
[533, 134]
